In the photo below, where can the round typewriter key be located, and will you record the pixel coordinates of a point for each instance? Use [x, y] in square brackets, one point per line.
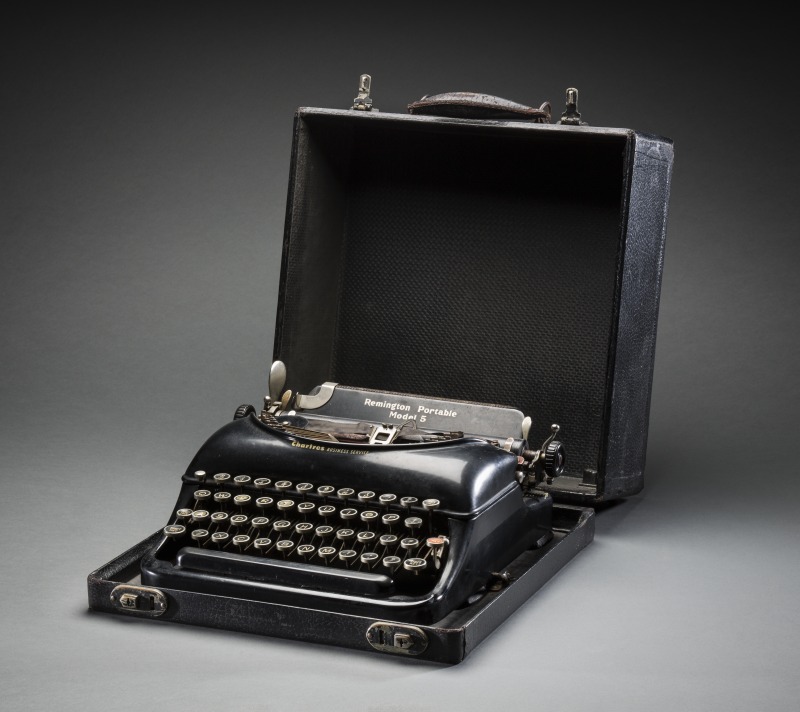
[303, 528]
[306, 550]
[366, 538]
[242, 480]
[389, 520]
[406, 502]
[200, 516]
[388, 540]
[305, 508]
[431, 504]
[221, 478]
[222, 497]
[413, 523]
[282, 525]
[220, 538]
[415, 565]
[219, 518]
[387, 499]
[304, 487]
[183, 513]
[345, 493]
[239, 520]
[200, 535]
[369, 558]
[345, 534]
[200, 475]
[260, 522]
[348, 514]
[323, 531]
[435, 542]
[283, 485]
[262, 544]
[241, 540]
[368, 516]
[173, 531]
[285, 505]
[366, 496]
[392, 562]
[409, 543]
[326, 510]
[326, 553]
[325, 490]
[264, 502]
[348, 556]
[202, 494]
[285, 546]
[262, 482]
[242, 500]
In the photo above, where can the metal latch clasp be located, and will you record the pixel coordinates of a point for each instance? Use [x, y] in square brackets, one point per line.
[400, 639]
[363, 101]
[139, 600]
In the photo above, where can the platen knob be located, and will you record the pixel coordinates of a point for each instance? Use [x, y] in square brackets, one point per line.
[243, 411]
[555, 457]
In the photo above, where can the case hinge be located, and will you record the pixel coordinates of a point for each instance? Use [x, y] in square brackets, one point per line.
[139, 600]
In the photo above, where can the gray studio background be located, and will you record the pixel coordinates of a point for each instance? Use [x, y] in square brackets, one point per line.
[143, 174]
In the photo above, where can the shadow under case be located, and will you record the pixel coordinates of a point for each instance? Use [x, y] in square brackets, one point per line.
[468, 261]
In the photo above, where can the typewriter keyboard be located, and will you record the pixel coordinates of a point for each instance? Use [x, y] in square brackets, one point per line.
[271, 530]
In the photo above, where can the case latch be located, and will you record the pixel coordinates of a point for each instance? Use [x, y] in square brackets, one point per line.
[399, 639]
[139, 600]
[363, 101]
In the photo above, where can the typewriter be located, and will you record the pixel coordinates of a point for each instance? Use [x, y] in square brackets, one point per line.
[312, 503]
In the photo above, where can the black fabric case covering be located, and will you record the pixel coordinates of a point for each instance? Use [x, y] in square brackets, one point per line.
[497, 262]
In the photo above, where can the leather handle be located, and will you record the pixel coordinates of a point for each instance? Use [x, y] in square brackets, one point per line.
[471, 105]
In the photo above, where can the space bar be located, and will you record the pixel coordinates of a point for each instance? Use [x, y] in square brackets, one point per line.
[282, 573]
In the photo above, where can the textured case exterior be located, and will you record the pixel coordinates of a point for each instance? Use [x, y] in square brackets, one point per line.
[488, 261]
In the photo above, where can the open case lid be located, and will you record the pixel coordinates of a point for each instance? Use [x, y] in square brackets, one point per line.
[492, 261]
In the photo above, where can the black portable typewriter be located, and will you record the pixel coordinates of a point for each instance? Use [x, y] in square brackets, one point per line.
[470, 252]
[389, 521]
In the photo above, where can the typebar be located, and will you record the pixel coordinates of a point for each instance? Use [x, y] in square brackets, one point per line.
[289, 573]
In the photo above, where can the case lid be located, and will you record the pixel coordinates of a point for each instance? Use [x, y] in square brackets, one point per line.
[491, 261]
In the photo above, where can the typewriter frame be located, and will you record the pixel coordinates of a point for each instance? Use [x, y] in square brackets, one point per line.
[625, 343]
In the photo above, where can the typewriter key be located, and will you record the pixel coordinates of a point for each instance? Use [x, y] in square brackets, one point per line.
[264, 502]
[415, 565]
[408, 502]
[368, 516]
[323, 531]
[388, 540]
[409, 543]
[391, 562]
[345, 534]
[387, 499]
[260, 522]
[413, 523]
[200, 535]
[222, 498]
[303, 528]
[348, 556]
[283, 485]
[200, 475]
[325, 490]
[174, 531]
[286, 505]
[282, 526]
[242, 480]
[199, 516]
[221, 478]
[304, 488]
[389, 520]
[436, 545]
[262, 482]
[366, 538]
[305, 508]
[326, 510]
[262, 544]
[285, 546]
[220, 538]
[431, 504]
[369, 559]
[242, 500]
[345, 493]
[366, 496]
[348, 514]
[241, 541]
[183, 513]
[201, 494]
[306, 550]
[219, 518]
[239, 520]
[326, 553]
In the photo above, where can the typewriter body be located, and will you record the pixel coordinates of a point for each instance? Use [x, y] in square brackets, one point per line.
[471, 253]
